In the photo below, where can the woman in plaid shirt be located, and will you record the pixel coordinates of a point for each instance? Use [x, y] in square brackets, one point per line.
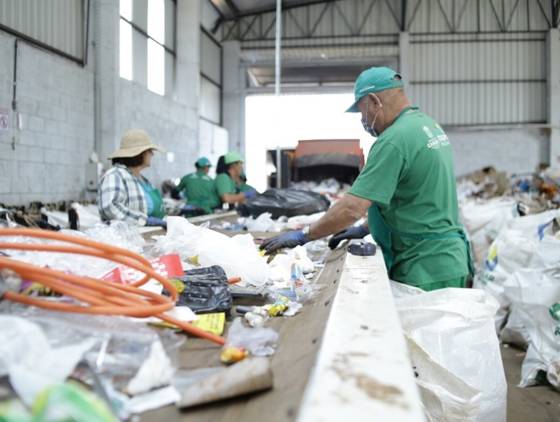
[123, 193]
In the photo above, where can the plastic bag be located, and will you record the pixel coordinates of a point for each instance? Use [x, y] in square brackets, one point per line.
[237, 255]
[264, 223]
[31, 360]
[542, 360]
[455, 329]
[258, 341]
[484, 221]
[288, 202]
[122, 346]
[533, 287]
[513, 249]
[205, 290]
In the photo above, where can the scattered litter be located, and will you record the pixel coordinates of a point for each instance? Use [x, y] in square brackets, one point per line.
[237, 255]
[23, 344]
[257, 341]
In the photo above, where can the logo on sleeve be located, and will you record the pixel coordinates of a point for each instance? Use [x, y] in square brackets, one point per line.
[435, 141]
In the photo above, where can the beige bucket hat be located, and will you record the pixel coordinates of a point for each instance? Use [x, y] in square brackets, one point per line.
[134, 142]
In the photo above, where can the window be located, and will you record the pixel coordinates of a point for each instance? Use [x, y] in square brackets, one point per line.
[210, 78]
[147, 43]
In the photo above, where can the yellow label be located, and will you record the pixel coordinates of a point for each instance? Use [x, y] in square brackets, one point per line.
[213, 323]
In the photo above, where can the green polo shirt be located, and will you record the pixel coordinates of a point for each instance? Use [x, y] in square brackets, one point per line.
[225, 184]
[200, 190]
[409, 175]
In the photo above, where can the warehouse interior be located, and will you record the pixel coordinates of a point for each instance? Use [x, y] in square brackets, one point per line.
[269, 81]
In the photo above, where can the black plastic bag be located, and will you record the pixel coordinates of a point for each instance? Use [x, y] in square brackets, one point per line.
[288, 202]
[206, 290]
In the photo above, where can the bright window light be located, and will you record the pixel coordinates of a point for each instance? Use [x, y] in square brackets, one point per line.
[156, 20]
[126, 9]
[156, 67]
[125, 50]
[156, 53]
[319, 116]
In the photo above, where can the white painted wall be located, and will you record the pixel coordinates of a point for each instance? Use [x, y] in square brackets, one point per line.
[512, 150]
[55, 100]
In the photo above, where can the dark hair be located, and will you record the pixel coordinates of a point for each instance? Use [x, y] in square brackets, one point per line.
[135, 161]
[221, 165]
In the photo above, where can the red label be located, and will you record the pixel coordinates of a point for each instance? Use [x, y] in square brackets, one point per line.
[167, 266]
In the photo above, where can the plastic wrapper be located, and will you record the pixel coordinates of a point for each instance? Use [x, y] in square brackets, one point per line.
[264, 223]
[122, 345]
[205, 290]
[117, 234]
[238, 255]
[32, 361]
[284, 202]
[258, 341]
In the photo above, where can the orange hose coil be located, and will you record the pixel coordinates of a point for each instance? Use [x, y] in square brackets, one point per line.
[101, 296]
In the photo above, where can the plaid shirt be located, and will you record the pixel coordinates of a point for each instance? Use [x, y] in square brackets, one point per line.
[120, 197]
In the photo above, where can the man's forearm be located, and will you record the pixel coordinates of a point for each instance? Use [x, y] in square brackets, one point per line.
[341, 215]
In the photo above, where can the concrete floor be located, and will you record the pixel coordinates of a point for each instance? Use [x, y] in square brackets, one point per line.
[534, 404]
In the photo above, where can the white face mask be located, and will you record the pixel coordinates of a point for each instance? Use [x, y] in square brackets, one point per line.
[371, 129]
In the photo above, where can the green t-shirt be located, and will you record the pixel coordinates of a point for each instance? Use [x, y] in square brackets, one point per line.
[200, 190]
[409, 175]
[225, 184]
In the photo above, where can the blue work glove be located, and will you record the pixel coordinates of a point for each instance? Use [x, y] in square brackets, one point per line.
[352, 232]
[155, 221]
[250, 194]
[285, 240]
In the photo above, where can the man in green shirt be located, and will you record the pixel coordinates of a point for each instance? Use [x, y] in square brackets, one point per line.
[407, 188]
[230, 182]
[199, 189]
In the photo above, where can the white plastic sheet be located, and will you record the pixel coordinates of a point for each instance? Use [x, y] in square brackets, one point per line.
[484, 221]
[29, 359]
[528, 287]
[456, 352]
[543, 353]
[237, 255]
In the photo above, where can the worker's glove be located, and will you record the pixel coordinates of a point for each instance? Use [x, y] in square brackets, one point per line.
[155, 221]
[352, 232]
[250, 194]
[285, 240]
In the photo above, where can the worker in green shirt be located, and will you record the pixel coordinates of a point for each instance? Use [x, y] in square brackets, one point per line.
[407, 188]
[199, 189]
[230, 181]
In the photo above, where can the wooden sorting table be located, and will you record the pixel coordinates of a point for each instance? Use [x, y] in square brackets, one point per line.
[342, 356]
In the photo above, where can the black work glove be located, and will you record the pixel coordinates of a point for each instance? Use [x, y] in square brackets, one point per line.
[284, 240]
[352, 232]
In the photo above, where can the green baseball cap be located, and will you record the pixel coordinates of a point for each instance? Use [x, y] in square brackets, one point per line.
[374, 79]
[232, 157]
[203, 162]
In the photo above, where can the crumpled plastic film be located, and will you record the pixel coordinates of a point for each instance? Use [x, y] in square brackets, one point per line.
[237, 255]
[31, 361]
[121, 345]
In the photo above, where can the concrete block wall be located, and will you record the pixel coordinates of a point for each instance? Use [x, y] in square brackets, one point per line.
[511, 150]
[56, 136]
[171, 124]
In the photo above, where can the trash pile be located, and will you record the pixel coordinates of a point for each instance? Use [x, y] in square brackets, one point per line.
[331, 188]
[81, 366]
[516, 242]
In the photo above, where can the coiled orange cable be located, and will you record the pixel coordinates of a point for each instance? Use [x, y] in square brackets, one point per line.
[97, 296]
